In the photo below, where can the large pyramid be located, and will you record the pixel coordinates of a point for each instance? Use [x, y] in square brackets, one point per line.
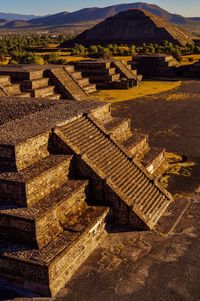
[132, 27]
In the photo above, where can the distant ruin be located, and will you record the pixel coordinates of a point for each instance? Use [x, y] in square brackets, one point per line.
[132, 27]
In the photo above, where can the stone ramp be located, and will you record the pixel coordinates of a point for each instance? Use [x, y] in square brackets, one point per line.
[66, 85]
[126, 72]
[133, 185]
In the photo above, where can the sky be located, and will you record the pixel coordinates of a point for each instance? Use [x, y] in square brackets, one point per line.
[44, 7]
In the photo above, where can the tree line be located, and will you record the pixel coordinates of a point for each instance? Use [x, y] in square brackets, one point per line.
[19, 49]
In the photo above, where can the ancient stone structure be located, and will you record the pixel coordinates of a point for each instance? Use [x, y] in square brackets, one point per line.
[66, 171]
[190, 71]
[109, 74]
[155, 65]
[53, 82]
[132, 27]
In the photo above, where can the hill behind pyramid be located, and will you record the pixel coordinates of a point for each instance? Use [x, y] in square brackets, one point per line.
[134, 26]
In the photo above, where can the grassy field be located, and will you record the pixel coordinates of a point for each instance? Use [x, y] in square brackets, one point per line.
[147, 88]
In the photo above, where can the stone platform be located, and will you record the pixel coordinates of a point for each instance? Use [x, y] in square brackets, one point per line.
[109, 74]
[52, 81]
[64, 174]
[155, 65]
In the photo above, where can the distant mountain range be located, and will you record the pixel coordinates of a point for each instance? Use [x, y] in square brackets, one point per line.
[11, 17]
[95, 14]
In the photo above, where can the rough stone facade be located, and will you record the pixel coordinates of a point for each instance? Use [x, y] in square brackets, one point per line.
[54, 207]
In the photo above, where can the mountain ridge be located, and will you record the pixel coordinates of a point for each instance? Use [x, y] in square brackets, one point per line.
[96, 14]
[16, 16]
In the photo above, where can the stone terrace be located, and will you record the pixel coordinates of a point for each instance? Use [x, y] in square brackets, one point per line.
[63, 176]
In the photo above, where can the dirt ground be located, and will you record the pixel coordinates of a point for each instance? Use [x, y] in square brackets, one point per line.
[145, 266]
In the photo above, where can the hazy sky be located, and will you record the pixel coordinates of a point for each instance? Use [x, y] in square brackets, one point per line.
[42, 7]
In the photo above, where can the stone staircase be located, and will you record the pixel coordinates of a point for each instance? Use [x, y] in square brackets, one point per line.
[39, 86]
[155, 65]
[83, 82]
[52, 82]
[67, 85]
[109, 74]
[47, 227]
[144, 200]
[7, 88]
[134, 144]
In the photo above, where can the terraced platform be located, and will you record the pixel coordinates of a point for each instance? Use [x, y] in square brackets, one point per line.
[63, 177]
[50, 81]
[155, 65]
[109, 74]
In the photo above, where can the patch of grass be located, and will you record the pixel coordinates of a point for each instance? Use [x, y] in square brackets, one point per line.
[146, 88]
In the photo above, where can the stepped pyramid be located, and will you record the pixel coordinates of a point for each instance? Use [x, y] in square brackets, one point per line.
[155, 65]
[64, 174]
[48, 81]
[109, 74]
[134, 26]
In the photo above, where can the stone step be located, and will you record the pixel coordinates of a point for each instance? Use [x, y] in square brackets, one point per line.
[96, 139]
[35, 182]
[37, 74]
[5, 80]
[76, 75]
[70, 68]
[136, 145]
[115, 167]
[47, 270]
[66, 85]
[118, 127]
[90, 88]
[123, 69]
[139, 77]
[25, 153]
[153, 159]
[127, 180]
[118, 173]
[12, 89]
[43, 92]
[24, 95]
[34, 84]
[102, 113]
[54, 96]
[83, 81]
[40, 224]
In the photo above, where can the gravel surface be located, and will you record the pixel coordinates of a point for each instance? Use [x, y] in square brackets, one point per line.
[24, 119]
